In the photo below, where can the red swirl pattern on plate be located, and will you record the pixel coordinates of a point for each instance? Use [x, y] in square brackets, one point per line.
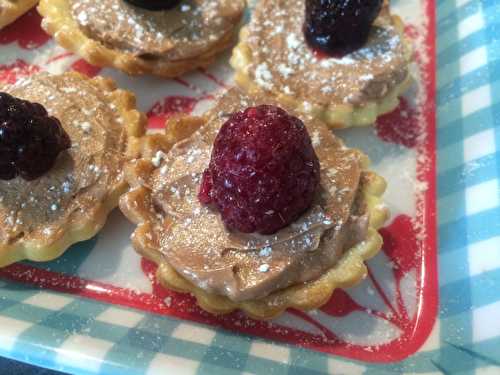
[10, 73]
[400, 127]
[167, 107]
[26, 31]
[84, 67]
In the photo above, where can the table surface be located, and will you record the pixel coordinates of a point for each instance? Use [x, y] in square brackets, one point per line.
[9, 367]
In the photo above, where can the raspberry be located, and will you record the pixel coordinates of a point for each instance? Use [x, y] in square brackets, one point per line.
[263, 172]
[30, 140]
[154, 4]
[338, 27]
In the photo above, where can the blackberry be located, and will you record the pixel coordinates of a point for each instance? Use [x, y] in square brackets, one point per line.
[154, 4]
[338, 27]
[30, 140]
[263, 171]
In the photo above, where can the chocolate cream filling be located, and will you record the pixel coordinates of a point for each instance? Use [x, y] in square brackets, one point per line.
[194, 240]
[82, 176]
[282, 61]
[192, 28]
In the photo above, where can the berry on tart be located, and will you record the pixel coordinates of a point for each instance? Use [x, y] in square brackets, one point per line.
[30, 139]
[263, 172]
[338, 27]
[154, 4]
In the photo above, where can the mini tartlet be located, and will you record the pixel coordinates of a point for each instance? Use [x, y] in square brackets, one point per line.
[260, 274]
[11, 10]
[69, 203]
[352, 90]
[166, 43]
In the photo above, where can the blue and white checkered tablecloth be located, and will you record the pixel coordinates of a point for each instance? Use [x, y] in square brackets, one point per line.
[466, 339]
[468, 185]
